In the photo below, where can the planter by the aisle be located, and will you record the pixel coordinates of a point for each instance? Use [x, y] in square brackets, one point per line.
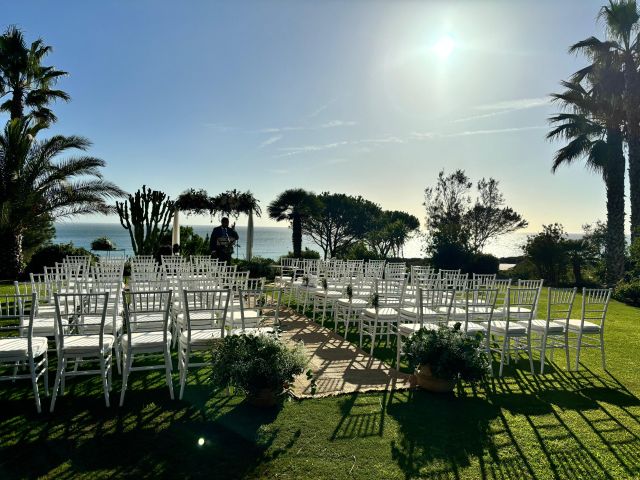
[440, 357]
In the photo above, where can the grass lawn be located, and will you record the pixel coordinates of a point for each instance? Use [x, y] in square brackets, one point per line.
[562, 424]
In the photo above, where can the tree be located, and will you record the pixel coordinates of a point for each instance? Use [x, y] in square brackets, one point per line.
[340, 221]
[25, 81]
[489, 218]
[456, 225]
[391, 231]
[622, 21]
[146, 215]
[36, 187]
[294, 205]
[593, 129]
[548, 253]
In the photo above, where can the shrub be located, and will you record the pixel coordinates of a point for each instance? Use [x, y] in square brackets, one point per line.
[450, 256]
[256, 362]
[258, 267]
[449, 352]
[483, 263]
[48, 255]
[628, 292]
[525, 270]
[359, 251]
[103, 244]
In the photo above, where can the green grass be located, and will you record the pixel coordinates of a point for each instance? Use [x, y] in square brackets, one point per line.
[562, 424]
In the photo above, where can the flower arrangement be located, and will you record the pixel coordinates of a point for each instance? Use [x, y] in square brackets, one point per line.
[103, 244]
[375, 300]
[324, 284]
[350, 292]
[305, 280]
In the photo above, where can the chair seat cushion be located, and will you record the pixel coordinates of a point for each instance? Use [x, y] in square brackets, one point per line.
[86, 343]
[45, 327]
[17, 347]
[355, 302]
[146, 339]
[91, 324]
[201, 337]
[472, 327]
[500, 326]
[328, 294]
[574, 326]
[541, 325]
[384, 313]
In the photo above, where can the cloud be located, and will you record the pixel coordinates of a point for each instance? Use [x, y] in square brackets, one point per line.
[218, 127]
[505, 107]
[271, 140]
[290, 151]
[496, 131]
[329, 124]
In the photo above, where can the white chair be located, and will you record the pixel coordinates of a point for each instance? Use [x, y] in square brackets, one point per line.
[18, 346]
[382, 319]
[205, 321]
[431, 310]
[256, 317]
[519, 301]
[82, 347]
[553, 331]
[324, 300]
[146, 317]
[348, 309]
[595, 302]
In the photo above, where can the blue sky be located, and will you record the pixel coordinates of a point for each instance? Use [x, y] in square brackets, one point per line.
[329, 96]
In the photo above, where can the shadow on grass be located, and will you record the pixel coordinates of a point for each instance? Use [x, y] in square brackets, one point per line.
[208, 434]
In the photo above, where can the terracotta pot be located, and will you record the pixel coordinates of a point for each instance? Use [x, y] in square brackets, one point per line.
[427, 381]
[265, 398]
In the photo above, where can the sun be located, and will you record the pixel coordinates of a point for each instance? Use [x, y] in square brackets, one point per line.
[444, 46]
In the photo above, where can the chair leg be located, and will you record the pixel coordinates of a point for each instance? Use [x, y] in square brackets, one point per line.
[105, 382]
[45, 374]
[502, 352]
[34, 384]
[604, 364]
[127, 361]
[566, 350]
[398, 350]
[167, 364]
[56, 384]
[578, 346]
[183, 374]
[543, 351]
[530, 355]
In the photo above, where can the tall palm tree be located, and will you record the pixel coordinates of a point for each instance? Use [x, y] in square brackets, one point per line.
[35, 185]
[25, 81]
[623, 27]
[593, 129]
[293, 205]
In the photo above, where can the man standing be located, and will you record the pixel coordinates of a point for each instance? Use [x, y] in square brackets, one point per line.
[223, 238]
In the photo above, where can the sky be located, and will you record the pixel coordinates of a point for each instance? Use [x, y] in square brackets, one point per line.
[360, 97]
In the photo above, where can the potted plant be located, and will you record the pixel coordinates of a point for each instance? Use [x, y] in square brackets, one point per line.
[262, 366]
[440, 357]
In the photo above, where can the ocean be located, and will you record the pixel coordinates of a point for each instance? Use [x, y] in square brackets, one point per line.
[269, 242]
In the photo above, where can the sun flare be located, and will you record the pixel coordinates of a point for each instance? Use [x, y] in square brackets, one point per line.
[444, 46]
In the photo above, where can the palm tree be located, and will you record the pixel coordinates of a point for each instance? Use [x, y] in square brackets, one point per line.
[27, 83]
[623, 27]
[34, 185]
[293, 205]
[593, 129]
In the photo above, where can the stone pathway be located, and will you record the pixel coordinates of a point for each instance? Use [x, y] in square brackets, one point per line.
[339, 366]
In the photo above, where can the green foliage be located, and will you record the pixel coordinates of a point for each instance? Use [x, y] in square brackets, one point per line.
[360, 251]
[547, 252]
[36, 187]
[524, 270]
[634, 257]
[341, 221]
[256, 362]
[390, 232]
[48, 255]
[306, 253]
[483, 263]
[294, 205]
[628, 292]
[103, 243]
[449, 352]
[458, 225]
[190, 242]
[449, 255]
[258, 267]
[146, 215]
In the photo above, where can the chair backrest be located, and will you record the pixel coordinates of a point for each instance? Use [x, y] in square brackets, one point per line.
[149, 285]
[206, 310]
[480, 303]
[41, 286]
[520, 304]
[487, 280]
[395, 271]
[530, 283]
[390, 292]
[560, 304]
[147, 271]
[16, 317]
[374, 268]
[595, 302]
[434, 305]
[76, 308]
[502, 285]
[147, 311]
